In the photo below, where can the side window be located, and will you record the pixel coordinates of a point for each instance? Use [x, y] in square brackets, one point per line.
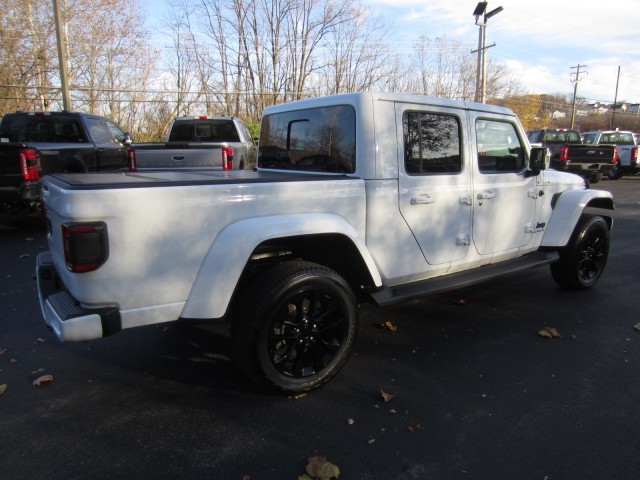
[534, 136]
[431, 143]
[99, 131]
[499, 148]
[316, 140]
[116, 131]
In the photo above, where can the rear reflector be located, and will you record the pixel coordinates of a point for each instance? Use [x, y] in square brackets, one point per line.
[131, 160]
[227, 158]
[29, 164]
[85, 246]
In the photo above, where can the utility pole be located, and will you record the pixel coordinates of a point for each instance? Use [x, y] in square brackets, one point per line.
[481, 75]
[575, 89]
[615, 101]
[62, 55]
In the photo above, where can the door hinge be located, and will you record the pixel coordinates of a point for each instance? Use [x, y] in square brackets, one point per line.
[463, 239]
[466, 199]
[532, 193]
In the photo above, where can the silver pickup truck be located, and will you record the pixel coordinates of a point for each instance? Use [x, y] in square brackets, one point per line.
[199, 143]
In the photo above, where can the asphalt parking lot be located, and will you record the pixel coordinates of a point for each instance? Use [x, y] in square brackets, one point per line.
[479, 393]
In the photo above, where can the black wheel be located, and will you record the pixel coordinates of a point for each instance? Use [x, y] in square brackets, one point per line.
[616, 171]
[294, 326]
[582, 261]
[595, 178]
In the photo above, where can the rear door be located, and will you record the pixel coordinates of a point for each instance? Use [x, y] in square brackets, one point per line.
[108, 138]
[435, 180]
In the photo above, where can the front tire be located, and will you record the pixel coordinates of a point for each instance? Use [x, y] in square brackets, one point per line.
[295, 326]
[583, 260]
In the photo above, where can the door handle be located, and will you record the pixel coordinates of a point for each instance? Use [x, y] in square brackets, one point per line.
[423, 199]
[486, 195]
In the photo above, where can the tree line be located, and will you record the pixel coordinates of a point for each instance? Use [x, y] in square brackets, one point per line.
[229, 57]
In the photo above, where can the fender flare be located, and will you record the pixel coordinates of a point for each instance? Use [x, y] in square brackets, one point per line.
[568, 208]
[229, 253]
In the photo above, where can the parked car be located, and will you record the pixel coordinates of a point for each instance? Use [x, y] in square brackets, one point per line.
[626, 147]
[200, 143]
[33, 144]
[554, 139]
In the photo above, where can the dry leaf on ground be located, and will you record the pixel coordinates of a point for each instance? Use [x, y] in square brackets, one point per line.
[388, 326]
[3, 388]
[549, 332]
[320, 467]
[387, 397]
[637, 326]
[43, 380]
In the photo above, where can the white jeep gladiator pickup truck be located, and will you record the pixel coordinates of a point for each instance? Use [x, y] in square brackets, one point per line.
[357, 197]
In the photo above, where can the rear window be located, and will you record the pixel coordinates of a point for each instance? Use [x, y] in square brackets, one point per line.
[204, 131]
[45, 128]
[315, 140]
[561, 137]
[617, 138]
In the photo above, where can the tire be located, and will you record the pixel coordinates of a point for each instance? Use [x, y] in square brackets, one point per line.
[595, 178]
[583, 260]
[295, 326]
[616, 172]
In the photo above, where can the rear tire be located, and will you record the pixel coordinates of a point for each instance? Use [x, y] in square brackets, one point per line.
[583, 260]
[294, 326]
[616, 172]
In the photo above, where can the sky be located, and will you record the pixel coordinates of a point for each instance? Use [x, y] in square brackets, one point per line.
[539, 41]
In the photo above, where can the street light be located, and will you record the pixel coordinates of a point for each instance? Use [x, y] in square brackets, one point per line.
[481, 76]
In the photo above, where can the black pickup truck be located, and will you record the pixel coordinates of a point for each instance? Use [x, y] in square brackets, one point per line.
[33, 144]
[588, 161]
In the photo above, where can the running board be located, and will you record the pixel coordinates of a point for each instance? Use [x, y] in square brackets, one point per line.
[442, 283]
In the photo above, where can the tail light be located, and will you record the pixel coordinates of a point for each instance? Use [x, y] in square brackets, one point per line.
[227, 158]
[616, 158]
[131, 160]
[29, 164]
[634, 155]
[85, 246]
[564, 153]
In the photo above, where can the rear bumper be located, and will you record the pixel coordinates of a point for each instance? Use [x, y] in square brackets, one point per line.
[70, 321]
[581, 168]
[26, 192]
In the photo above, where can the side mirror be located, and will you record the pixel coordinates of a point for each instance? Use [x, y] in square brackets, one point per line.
[539, 160]
[127, 139]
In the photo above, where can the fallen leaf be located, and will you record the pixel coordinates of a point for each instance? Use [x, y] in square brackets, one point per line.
[351, 421]
[321, 468]
[415, 428]
[13, 360]
[43, 380]
[549, 332]
[297, 396]
[3, 388]
[3, 351]
[372, 441]
[41, 340]
[40, 370]
[25, 255]
[304, 477]
[463, 302]
[637, 326]
[388, 326]
[387, 397]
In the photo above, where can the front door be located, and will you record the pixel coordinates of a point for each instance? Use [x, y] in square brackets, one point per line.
[504, 196]
[435, 180]
[111, 153]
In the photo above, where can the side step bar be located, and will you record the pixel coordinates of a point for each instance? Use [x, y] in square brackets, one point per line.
[401, 293]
